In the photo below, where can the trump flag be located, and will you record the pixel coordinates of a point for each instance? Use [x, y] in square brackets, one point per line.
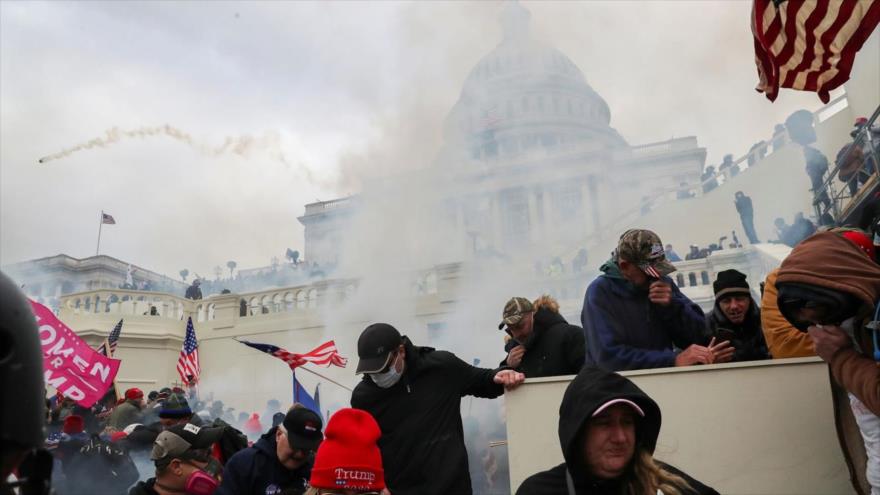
[70, 365]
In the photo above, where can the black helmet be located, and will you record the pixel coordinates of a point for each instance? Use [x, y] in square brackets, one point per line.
[21, 369]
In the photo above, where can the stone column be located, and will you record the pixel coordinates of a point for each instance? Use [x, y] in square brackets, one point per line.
[549, 225]
[534, 226]
[497, 233]
[593, 195]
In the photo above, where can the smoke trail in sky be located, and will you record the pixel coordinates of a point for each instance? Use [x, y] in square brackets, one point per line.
[245, 146]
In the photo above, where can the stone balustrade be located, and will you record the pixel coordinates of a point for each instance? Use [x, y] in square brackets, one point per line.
[123, 302]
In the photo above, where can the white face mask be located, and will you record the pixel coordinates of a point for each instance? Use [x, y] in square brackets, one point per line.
[389, 378]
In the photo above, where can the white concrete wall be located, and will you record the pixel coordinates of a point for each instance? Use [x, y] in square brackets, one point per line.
[863, 88]
[743, 428]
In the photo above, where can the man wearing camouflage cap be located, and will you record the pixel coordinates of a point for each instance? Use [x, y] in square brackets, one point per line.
[541, 342]
[634, 317]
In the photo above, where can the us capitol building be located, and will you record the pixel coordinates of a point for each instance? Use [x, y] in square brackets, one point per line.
[530, 161]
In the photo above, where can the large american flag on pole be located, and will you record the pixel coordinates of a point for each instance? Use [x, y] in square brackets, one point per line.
[809, 45]
[188, 362]
[108, 347]
[323, 355]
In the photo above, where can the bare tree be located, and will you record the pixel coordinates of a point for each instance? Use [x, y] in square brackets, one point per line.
[231, 265]
[184, 273]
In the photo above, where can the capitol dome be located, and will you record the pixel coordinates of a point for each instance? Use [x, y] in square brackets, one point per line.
[526, 94]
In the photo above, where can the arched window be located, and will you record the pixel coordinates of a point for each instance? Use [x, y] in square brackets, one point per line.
[255, 306]
[679, 280]
[692, 279]
[301, 299]
[313, 298]
[289, 301]
[266, 302]
[704, 275]
[277, 300]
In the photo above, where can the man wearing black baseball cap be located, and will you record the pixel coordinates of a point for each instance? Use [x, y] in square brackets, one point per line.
[281, 460]
[183, 460]
[415, 395]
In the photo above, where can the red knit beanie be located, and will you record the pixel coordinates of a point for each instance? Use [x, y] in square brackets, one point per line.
[73, 424]
[349, 457]
[134, 394]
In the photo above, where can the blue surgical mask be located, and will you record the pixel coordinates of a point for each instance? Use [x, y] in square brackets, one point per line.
[388, 378]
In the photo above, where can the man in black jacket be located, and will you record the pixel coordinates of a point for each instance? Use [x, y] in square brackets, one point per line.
[746, 215]
[608, 429]
[736, 318]
[542, 343]
[415, 395]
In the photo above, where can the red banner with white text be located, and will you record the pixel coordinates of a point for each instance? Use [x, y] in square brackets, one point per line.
[70, 365]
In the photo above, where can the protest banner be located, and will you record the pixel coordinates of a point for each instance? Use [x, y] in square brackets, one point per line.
[70, 365]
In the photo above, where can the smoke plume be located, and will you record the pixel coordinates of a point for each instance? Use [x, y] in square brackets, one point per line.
[245, 146]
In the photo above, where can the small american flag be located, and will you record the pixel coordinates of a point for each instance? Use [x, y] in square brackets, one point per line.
[107, 219]
[809, 45]
[110, 342]
[323, 355]
[188, 362]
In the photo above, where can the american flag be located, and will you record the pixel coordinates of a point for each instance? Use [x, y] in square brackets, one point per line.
[809, 45]
[110, 342]
[323, 355]
[107, 218]
[188, 362]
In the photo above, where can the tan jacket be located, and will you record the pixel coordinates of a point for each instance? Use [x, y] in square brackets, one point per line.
[831, 261]
[783, 340]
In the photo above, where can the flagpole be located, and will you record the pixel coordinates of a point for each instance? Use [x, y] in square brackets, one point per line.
[100, 226]
[325, 378]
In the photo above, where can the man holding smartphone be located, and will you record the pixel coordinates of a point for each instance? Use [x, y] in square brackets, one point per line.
[634, 317]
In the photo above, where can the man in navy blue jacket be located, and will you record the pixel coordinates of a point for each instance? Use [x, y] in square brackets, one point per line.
[281, 460]
[634, 317]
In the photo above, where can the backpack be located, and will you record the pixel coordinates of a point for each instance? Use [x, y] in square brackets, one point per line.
[231, 440]
[99, 467]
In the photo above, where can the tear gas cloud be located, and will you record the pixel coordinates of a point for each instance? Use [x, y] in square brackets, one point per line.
[365, 114]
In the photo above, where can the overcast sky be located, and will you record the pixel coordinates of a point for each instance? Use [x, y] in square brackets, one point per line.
[350, 89]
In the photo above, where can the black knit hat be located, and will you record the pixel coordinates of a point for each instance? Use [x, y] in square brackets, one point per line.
[175, 407]
[730, 282]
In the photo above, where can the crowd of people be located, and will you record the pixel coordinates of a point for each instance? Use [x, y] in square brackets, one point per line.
[404, 433]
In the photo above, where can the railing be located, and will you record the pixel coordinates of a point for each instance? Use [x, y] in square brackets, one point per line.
[333, 204]
[837, 197]
[125, 302]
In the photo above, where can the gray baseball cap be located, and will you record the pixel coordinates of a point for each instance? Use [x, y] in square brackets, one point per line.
[178, 440]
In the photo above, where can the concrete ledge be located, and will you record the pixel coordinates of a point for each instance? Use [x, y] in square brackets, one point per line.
[755, 427]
